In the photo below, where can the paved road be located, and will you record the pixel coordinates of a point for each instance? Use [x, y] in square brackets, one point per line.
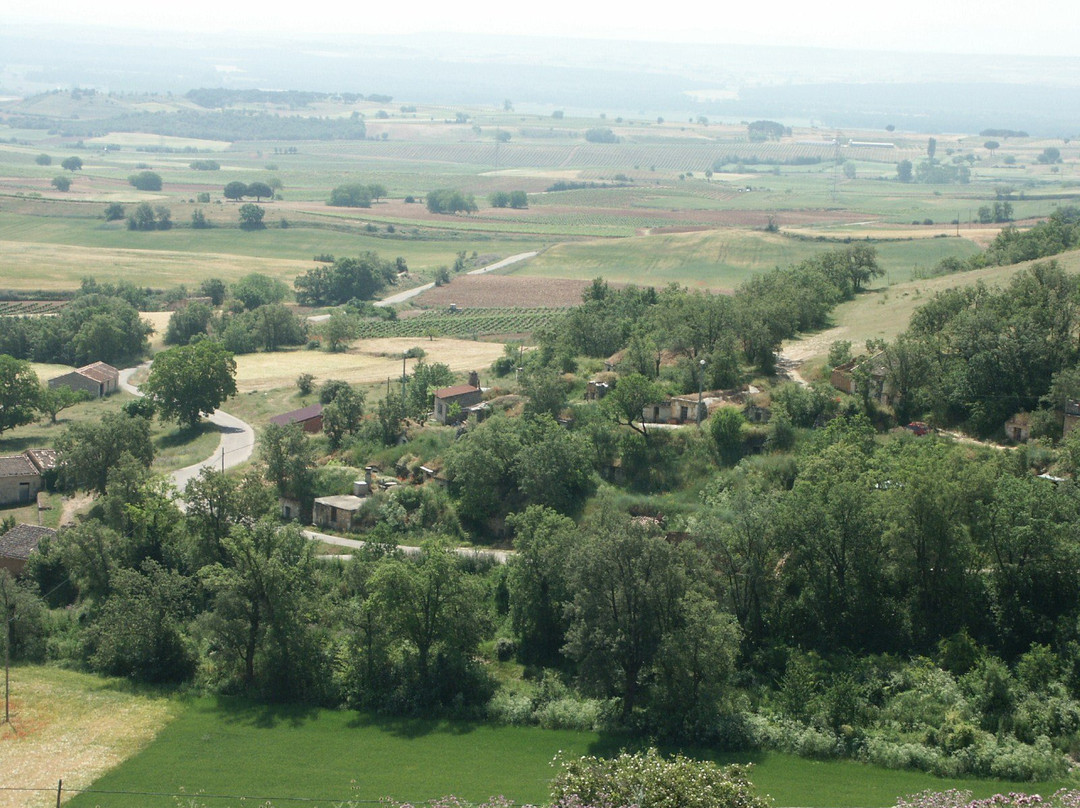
[401, 297]
[236, 444]
[499, 556]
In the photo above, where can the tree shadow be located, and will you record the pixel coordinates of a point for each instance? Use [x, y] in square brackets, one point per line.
[238, 710]
[410, 728]
[185, 435]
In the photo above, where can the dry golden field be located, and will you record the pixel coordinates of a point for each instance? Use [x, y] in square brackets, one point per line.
[70, 726]
[366, 362]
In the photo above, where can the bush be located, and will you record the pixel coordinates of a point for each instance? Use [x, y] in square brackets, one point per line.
[647, 778]
[61, 183]
[146, 181]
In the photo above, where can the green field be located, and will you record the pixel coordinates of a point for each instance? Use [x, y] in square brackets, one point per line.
[883, 313]
[224, 746]
[720, 259]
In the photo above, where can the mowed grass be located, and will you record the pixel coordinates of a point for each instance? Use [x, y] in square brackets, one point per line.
[174, 447]
[71, 726]
[719, 259]
[230, 747]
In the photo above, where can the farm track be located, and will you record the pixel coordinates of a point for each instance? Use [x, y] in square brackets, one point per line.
[235, 447]
[401, 297]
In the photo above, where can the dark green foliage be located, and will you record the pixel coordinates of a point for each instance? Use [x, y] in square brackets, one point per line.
[149, 217]
[259, 190]
[251, 218]
[235, 190]
[139, 630]
[89, 450]
[185, 323]
[346, 279]
[93, 327]
[766, 130]
[977, 356]
[204, 165]
[191, 381]
[601, 134]
[146, 181]
[256, 290]
[267, 328]
[356, 195]
[61, 183]
[114, 211]
[72, 163]
[450, 200]
[43, 160]
[213, 288]
[20, 391]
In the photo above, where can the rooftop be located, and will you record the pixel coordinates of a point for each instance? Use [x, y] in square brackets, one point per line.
[456, 390]
[17, 466]
[296, 416]
[22, 540]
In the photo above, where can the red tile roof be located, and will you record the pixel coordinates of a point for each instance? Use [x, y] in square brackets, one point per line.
[456, 390]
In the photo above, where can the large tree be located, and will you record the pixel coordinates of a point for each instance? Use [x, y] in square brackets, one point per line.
[191, 381]
[89, 450]
[19, 392]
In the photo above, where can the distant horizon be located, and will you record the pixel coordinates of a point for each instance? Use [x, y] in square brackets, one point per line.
[987, 28]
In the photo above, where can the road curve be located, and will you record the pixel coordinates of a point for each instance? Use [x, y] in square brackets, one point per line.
[498, 556]
[236, 444]
[401, 297]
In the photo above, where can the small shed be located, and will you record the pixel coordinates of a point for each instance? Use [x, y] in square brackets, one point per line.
[1018, 428]
[20, 480]
[98, 379]
[18, 544]
[337, 512]
[463, 395]
[309, 418]
[1072, 417]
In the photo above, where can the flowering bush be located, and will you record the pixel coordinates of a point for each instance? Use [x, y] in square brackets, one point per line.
[1064, 798]
[647, 778]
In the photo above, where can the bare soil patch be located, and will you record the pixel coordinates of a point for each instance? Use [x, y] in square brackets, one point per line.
[497, 291]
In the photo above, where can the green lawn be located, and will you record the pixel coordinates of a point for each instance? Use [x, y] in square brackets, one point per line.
[226, 746]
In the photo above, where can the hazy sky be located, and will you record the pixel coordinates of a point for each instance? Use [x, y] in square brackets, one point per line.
[1050, 27]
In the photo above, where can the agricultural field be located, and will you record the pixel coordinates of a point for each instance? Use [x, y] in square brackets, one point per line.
[155, 746]
[479, 322]
[72, 726]
[660, 180]
[367, 361]
[883, 313]
[721, 259]
[500, 291]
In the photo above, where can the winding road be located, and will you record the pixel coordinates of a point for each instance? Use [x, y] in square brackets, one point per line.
[401, 297]
[236, 444]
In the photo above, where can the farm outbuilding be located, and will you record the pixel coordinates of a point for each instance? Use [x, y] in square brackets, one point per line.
[463, 395]
[1018, 428]
[309, 418]
[98, 379]
[20, 480]
[18, 544]
[337, 512]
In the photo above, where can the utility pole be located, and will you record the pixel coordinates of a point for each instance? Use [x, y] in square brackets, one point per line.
[9, 619]
[700, 389]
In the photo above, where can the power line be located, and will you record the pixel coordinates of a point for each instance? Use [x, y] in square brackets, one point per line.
[261, 798]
